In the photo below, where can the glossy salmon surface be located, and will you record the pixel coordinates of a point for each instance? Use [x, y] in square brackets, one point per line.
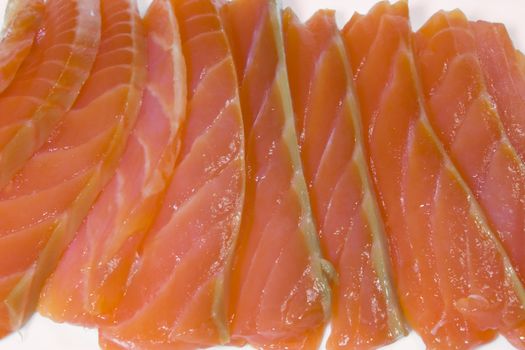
[48, 81]
[21, 23]
[456, 283]
[279, 293]
[469, 125]
[97, 265]
[177, 293]
[49, 197]
[365, 312]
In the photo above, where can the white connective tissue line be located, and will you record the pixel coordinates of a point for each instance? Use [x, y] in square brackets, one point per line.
[43, 334]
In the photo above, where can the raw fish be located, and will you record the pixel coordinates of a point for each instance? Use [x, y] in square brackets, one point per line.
[280, 296]
[96, 266]
[455, 281]
[21, 22]
[468, 124]
[48, 81]
[46, 201]
[501, 69]
[365, 311]
[177, 292]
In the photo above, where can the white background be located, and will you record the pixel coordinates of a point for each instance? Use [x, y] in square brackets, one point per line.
[42, 334]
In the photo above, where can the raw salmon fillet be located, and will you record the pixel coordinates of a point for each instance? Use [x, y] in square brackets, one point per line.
[505, 81]
[45, 202]
[467, 122]
[21, 23]
[365, 312]
[94, 270]
[455, 281]
[279, 293]
[177, 291]
[49, 80]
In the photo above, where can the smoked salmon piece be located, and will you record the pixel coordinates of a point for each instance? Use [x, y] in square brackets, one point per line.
[521, 62]
[46, 201]
[280, 297]
[455, 281]
[115, 344]
[468, 124]
[48, 81]
[21, 22]
[94, 270]
[177, 291]
[365, 312]
[504, 77]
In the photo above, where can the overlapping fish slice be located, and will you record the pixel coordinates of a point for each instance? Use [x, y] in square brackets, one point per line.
[177, 292]
[44, 204]
[365, 309]
[468, 124]
[505, 82]
[94, 270]
[49, 80]
[280, 294]
[451, 271]
[21, 23]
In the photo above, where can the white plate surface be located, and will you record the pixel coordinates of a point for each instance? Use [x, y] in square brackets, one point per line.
[42, 334]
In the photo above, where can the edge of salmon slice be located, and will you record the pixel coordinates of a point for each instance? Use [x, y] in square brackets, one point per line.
[446, 258]
[177, 294]
[21, 22]
[365, 310]
[117, 344]
[96, 266]
[48, 198]
[521, 61]
[280, 295]
[49, 80]
[468, 124]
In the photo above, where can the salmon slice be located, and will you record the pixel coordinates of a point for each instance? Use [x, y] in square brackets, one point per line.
[505, 81]
[48, 81]
[521, 62]
[21, 23]
[280, 294]
[115, 344]
[455, 281]
[94, 270]
[365, 312]
[176, 293]
[45, 203]
[468, 124]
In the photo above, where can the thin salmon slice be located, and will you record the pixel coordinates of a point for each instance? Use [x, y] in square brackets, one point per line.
[177, 292]
[521, 62]
[505, 81]
[365, 311]
[451, 272]
[49, 80]
[46, 201]
[467, 122]
[95, 268]
[21, 23]
[280, 295]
